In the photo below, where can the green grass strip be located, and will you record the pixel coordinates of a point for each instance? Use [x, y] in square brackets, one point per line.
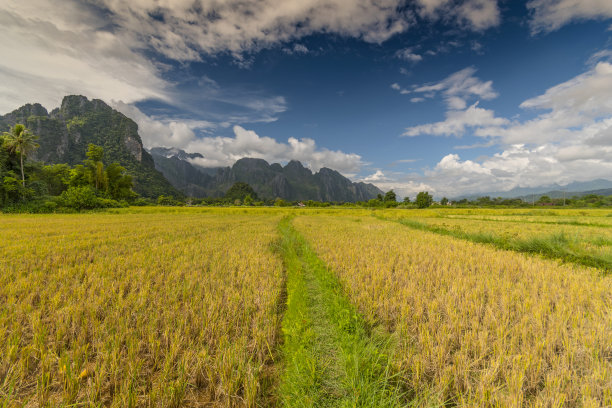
[331, 358]
[560, 222]
[554, 246]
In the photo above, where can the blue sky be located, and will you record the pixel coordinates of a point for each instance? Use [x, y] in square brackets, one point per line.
[449, 96]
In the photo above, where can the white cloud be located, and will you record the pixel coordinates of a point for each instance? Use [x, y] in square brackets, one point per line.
[575, 108]
[518, 166]
[408, 54]
[162, 131]
[50, 51]
[479, 14]
[570, 141]
[221, 151]
[550, 15]
[457, 122]
[224, 151]
[183, 29]
[588, 94]
[458, 88]
[377, 176]
[402, 184]
[475, 14]
[297, 49]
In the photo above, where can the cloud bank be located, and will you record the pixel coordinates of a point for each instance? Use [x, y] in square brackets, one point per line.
[569, 140]
[219, 151]
[550, 15]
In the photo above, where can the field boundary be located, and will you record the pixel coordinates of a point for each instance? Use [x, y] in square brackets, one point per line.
[570, 223]
[553, 246]
[331, 357]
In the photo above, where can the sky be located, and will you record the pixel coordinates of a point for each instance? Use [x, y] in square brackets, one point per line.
[448, 96]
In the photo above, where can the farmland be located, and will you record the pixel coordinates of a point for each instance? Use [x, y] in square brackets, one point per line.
[286, 307]
[137, 310]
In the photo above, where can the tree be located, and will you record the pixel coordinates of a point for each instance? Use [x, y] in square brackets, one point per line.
[78, 176]
[239, 191]
[248, 200]
[424, 199]
[279, 202]
[119, 184]
[80, 198]
[390, 196]
[56, 177]
[20, 140]
[406, 200]
[95, 164]
[444, 201]
[544, 200]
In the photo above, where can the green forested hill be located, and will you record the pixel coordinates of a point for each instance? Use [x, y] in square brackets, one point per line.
[65, 132]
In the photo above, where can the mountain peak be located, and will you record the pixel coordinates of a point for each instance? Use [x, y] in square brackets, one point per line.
[292, 182]
[170, 152]
[294, 164]
[76, 105]
[65, 133]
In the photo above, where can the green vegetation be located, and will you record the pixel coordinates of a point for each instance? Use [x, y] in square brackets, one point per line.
[20, 140]
[54, 187]
[65, 133]
[424, 199]
[555, 246]
[589, 200]
[331, 357]
[240, 191]
[320, 307]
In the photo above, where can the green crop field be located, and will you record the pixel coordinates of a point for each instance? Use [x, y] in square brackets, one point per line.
[266, 307]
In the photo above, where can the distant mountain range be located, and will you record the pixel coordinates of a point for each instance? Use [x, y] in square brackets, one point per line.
[579, 188]
[65, 132]
[292, 182]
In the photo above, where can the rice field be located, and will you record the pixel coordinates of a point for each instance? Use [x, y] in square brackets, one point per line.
[579, 238]
[475, 326]
[137, 310]
[265, 307]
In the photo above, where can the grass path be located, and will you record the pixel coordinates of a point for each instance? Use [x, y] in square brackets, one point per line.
[331, 359]
[554, 246]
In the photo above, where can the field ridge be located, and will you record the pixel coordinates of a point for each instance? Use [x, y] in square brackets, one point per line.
[554, 246]
[331, 357]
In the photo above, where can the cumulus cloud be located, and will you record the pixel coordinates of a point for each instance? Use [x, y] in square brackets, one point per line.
[574, 110]
[50, 51]
[408, 54]
[377, 176]
[570, 140]
[475, 14]
[404, 185]
[457, 122]
[550, 15]
[297, 49]
[183, 30]
[224, 151]
[166, 132]
[518, 166]
[219, 151]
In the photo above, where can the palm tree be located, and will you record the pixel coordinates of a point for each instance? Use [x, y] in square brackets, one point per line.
[20, 140]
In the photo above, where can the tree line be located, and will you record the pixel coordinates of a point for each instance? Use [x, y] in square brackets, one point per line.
[34, 187]
[29, 186]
